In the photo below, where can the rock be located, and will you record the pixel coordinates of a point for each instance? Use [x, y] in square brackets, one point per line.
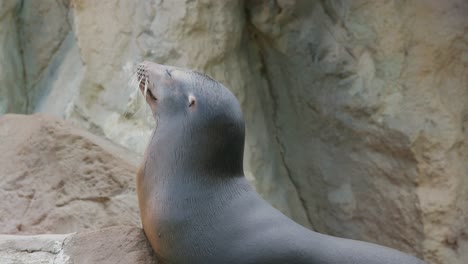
[59, 179]
[373, 146]
[32, 249]
[122, 244]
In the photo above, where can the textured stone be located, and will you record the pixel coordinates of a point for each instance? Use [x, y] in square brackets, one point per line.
[379, 98]
[59, 179]
[122, 244]
[43, 249]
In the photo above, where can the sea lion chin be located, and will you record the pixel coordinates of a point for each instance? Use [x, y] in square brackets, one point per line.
[196, 205]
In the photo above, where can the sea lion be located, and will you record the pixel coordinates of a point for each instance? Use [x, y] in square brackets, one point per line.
[196, 205]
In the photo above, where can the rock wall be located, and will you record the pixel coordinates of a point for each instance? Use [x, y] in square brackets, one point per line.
[356, 111]
[379, 91]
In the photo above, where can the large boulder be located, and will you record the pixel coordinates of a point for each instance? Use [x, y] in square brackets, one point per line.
[121, 244]
[59, 179]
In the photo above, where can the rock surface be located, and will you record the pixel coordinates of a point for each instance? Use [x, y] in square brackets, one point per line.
[59, 179]
[380, 104]
[356, 111]
[120, 244]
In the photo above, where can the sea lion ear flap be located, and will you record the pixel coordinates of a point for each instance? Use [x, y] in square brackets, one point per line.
[191, 100]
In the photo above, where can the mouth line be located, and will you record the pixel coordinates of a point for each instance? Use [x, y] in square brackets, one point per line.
[148, 91]
[143, 82]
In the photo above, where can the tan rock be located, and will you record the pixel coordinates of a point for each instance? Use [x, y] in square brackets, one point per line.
[59, 179]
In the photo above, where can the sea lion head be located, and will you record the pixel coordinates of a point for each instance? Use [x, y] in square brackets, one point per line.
[198, 119]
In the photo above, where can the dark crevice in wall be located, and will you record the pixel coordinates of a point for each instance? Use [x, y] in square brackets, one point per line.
[31, 84]
[281, 147]
[21, 83]
[260, 42]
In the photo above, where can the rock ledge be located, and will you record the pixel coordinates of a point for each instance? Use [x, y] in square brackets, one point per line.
[120, 244]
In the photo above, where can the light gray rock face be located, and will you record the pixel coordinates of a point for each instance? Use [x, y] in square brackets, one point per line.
[43, 249]
[378, 106]
[356, 111]
[59, 179]
[122, 244]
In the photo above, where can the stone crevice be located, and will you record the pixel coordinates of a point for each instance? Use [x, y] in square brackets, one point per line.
[22, 85]
[261, 49]
[95, 199]
[59, 254]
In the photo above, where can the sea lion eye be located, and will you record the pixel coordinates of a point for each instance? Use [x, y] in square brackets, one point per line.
[191, 100]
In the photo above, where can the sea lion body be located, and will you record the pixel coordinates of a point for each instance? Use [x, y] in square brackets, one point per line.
[196, 205]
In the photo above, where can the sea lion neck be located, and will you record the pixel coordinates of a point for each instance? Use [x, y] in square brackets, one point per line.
[189, 147]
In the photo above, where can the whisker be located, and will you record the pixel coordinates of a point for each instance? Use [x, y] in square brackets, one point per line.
[139, 85]
[133, 104]
[146, 87]
[133, 81]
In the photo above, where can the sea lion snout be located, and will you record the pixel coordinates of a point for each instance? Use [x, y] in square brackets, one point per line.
[165, 88]
[151, 77]
[142, 77]
[159, 70]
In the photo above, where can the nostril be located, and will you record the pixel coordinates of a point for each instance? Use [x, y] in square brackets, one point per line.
[142, 71]
[142, 76]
